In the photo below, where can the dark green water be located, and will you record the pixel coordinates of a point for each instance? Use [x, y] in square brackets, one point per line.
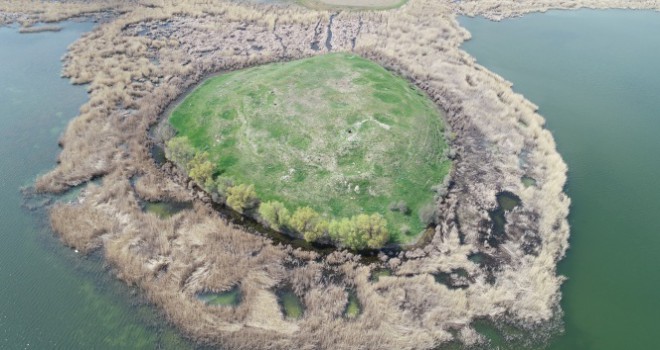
[50, 298]
[596, 79]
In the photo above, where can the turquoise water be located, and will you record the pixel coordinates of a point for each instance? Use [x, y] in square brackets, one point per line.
[595, 77]
[51, 298]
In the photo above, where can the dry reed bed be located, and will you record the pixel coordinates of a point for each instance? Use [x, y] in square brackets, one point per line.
[498, 10]
[150, 54]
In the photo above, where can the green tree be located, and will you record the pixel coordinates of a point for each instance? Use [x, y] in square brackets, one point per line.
[241, 197]
[303, 219]
[201, 170]
[180, 151]
[309, 223]
[341, 230]
[274, 213]
[371, 231]
[360, 232]
[319, 229]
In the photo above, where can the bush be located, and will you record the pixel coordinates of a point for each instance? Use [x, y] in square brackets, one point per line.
[371, 230]
[180, 151]
[241, 197]
[305, 221]
[341, 230]
[360, 232]
[274, 213]
[319, 230]
[201, 170]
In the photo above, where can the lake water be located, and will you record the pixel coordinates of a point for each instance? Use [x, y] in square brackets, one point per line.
[596, 79]
[50, 298]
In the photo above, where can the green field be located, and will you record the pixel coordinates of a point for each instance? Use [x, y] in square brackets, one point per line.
[337, 133]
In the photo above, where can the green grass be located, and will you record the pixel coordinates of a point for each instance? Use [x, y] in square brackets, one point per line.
[335, 132]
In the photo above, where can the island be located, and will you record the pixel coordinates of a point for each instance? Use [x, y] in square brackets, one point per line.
[327, 148]
[362, 116]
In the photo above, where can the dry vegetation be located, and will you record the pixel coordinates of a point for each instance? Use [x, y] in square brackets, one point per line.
[497, 10]
[153, 51]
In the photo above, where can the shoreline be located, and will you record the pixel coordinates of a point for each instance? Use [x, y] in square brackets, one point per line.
[493, 126]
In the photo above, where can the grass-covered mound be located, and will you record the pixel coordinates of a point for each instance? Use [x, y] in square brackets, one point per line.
[317, 142]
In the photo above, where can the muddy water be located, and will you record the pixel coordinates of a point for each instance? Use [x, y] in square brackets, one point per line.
[595, 77]
[51, 298]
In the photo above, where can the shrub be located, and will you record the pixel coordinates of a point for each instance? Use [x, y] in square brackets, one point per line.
[274, 213]
[180, 151]
[304, 220]
[201, 170]
[309, 224]
[341, 230]
[241, 197]
[319, 229]
[360, 232]
[371, 231]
